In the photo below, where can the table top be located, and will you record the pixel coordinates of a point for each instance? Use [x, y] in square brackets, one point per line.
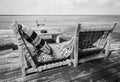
[49, 32]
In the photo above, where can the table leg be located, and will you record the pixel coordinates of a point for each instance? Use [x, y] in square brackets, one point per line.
[57, 39]
[53, 37]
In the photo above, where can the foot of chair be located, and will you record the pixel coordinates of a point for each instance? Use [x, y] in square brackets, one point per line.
[69, 64]
[105, 58]
[40, 69]
[74, 62]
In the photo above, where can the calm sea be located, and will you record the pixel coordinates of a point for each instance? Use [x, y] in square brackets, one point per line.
[61, 21]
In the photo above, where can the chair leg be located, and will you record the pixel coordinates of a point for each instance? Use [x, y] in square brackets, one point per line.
[24, 72]
[57, 39]
[75, 60]
[76, 51]
[107, 48]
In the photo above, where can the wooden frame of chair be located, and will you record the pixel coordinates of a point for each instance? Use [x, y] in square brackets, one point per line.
[76, 48]
[26, 58]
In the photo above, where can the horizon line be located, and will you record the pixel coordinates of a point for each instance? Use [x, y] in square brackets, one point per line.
[56, 14]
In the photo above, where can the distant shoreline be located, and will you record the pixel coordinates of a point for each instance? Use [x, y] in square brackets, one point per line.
[54, 15]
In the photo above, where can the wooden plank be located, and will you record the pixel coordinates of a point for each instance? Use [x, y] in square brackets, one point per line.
[91, 58]
[107, 48]
[96, 73]
[60, 73]
[114, 25]
[76, 39]
[49, 32]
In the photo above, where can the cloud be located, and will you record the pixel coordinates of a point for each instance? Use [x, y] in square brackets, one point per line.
[97, 3]
[59, 6]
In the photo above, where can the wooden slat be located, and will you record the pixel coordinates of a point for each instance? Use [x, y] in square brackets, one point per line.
[107, 67]
[84, 29]
[107, 48]
[76, 39]
[91, 58]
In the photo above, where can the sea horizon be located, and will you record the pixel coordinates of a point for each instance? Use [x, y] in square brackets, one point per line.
[59, 15]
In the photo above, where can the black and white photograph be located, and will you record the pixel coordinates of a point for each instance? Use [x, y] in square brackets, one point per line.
[59, 40]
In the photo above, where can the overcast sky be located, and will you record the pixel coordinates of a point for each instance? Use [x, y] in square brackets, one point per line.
[60, 7]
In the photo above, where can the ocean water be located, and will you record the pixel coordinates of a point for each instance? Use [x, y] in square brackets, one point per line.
[65, 24]
[61, 21]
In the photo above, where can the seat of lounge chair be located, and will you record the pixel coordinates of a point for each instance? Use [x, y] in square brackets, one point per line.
[57, 56]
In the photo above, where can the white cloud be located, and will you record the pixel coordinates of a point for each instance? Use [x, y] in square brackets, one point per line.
[101, 3]
[59, 6]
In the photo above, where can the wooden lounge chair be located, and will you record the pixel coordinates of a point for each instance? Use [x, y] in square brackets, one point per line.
[62, 56]
[91, 43]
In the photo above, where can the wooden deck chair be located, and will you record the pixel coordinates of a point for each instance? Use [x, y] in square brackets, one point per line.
[62, 56]
[91, 43]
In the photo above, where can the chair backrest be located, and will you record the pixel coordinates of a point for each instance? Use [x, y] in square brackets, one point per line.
[32, 59]
[93, 37]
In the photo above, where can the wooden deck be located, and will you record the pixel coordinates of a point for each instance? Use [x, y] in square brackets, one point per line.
[94, 71]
